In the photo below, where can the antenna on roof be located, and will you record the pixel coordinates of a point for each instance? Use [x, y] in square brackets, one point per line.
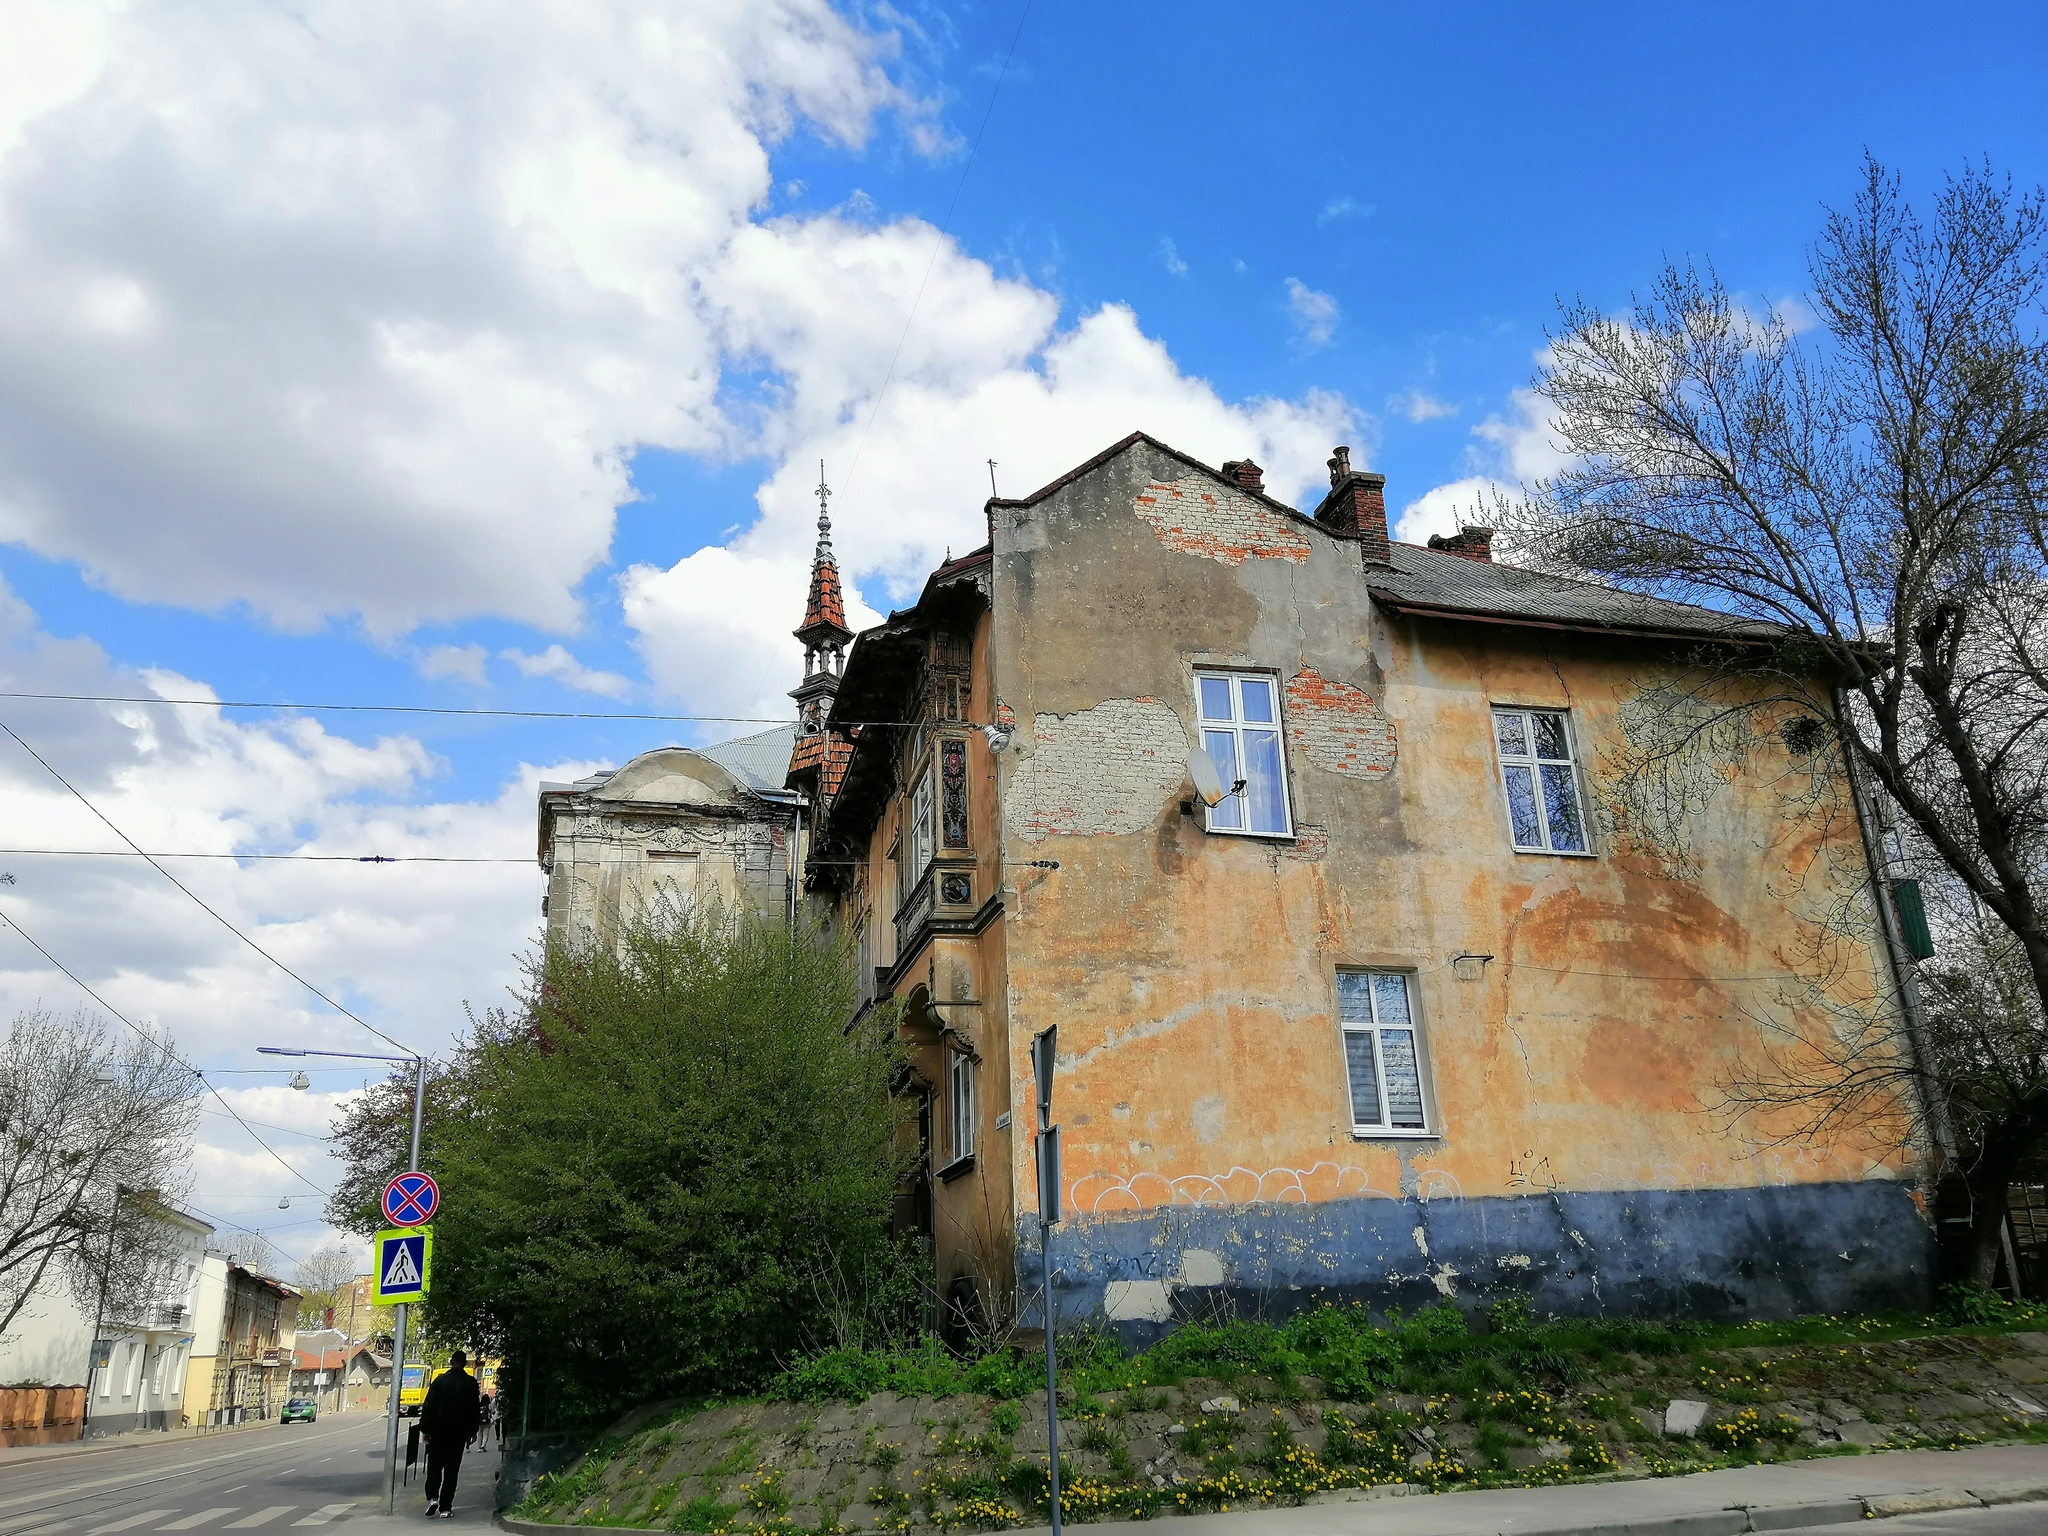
[992, 477]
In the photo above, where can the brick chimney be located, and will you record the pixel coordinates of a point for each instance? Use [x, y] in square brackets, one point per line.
[1472, 543]
[1246, 475]
[1357, 507]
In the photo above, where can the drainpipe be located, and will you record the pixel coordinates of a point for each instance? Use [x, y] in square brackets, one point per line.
[1932, 1103]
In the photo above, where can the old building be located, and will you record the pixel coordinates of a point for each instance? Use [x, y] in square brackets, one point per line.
[683, 824]
[244, 1327]
[1393, 1020]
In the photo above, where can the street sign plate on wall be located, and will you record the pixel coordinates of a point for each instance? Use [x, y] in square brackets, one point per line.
[404, 1264]
[411, 1199]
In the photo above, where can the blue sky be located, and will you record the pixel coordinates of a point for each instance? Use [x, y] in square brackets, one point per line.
[290, 412]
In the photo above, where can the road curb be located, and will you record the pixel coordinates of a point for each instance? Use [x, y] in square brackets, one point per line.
[1737, 1520]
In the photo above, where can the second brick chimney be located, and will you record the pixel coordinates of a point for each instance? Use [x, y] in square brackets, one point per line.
[1472, 543]
[1357, 507]
[1246, 475]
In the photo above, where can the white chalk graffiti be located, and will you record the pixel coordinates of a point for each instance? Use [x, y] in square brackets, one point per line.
[1239, 1186]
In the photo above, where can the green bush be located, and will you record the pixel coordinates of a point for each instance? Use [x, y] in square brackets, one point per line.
[674, 1169]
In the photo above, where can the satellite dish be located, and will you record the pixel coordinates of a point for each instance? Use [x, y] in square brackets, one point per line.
[1208, 782]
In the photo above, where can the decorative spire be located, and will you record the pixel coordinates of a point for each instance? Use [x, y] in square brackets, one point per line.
[824, 517]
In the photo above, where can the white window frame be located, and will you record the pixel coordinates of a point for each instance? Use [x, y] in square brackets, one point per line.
[1534, 762]
[1378, 1032]
[1238, 727]
[922, 843]
[961, 1110]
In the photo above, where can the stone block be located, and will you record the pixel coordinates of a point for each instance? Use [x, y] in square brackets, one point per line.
[1793, 1517]
[2024, 1491]
[1931, 1501]
[1683, 1418]
[1222, 1405]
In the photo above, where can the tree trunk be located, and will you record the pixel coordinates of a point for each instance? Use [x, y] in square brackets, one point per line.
[1988, 1183]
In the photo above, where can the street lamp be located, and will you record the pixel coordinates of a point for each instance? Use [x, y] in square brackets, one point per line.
[419, 1106]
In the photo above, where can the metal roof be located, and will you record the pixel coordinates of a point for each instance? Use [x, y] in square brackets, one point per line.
[760, 761]
[1428, 580]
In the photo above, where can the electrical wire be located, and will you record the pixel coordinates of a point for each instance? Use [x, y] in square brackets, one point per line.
[231, 928]
[313, 858]
[399, 709]
[168, 1053]
[433, 709]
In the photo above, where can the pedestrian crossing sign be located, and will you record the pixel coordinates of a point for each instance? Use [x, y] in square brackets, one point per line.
[405, 1261]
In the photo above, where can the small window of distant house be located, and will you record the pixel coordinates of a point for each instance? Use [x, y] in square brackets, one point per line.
[1545, 811]
[960, 1093]
[1383, 1054]
[1241, 733]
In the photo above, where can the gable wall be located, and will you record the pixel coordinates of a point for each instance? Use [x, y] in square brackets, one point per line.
[1208, 1144]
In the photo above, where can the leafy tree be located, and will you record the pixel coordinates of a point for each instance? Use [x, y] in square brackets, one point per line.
[1877, 490]
[658, 1173]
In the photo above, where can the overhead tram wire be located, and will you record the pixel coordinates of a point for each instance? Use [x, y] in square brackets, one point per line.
[311, 858]
[435, 709]
[168, 1053]
[209, 911]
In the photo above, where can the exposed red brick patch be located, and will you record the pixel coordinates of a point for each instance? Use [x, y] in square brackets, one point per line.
[1196, 516]
[1338, 727]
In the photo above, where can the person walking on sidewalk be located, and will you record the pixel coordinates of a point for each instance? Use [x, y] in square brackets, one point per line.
[447, 1420]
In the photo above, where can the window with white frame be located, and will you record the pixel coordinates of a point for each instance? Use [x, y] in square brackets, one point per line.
[960, 1104]
[1241, 734]
[920, 839]
[1545, 812]
[1383, 1054]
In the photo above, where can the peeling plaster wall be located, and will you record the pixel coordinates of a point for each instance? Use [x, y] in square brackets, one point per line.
[1193, 976]
[1099, 772]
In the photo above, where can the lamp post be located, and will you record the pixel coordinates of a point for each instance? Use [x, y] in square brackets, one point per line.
[419, 1107]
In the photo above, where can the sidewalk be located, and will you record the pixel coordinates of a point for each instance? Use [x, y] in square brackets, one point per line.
[1788, 1496]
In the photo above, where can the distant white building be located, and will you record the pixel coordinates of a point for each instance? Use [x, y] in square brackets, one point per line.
[141, 1381]
[691, 825]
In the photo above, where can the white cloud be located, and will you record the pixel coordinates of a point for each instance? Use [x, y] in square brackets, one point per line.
[463, 661]
[1345, 206]
[401, 944]
[1524, 444]
[360, 305]
[714, 628]
[1169, 255]
[1419, 405]
[557, 663]
[1315, 314]
[1448, 508]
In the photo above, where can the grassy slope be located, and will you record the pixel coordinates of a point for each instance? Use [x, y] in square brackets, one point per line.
[861, 1440]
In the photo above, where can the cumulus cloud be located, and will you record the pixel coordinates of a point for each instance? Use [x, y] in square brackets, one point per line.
[1315, 314]
[1512, 448]
[401, 944]
[466, 662]
[556, 662]
[1345, 206]
[1418, 405]
[359, 306]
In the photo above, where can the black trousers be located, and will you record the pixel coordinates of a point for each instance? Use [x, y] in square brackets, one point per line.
[443, 1466]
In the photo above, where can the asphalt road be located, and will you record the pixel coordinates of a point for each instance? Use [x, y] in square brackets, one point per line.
[271, 1480]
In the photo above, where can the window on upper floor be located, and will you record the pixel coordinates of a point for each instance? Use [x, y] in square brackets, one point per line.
[1540, 775]
[1241, 734]
[1383, 1054]
[960, 1104]
[919, 839]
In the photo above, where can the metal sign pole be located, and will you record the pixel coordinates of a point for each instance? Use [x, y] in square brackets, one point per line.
[1042, 1058]
[419, 1106]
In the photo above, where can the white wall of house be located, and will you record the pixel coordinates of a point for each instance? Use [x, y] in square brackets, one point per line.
[51, 1339]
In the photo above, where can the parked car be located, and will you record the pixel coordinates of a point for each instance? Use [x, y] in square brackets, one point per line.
[300, 1408]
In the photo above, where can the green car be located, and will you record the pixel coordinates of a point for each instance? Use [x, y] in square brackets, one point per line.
[299, 1408]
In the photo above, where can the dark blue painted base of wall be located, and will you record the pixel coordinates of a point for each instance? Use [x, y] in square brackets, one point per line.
[1720, 1254]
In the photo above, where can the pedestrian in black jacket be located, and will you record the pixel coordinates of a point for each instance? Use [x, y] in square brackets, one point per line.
[447, 1419]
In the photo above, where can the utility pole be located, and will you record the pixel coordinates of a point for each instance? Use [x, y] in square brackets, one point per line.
[1042, 1049]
